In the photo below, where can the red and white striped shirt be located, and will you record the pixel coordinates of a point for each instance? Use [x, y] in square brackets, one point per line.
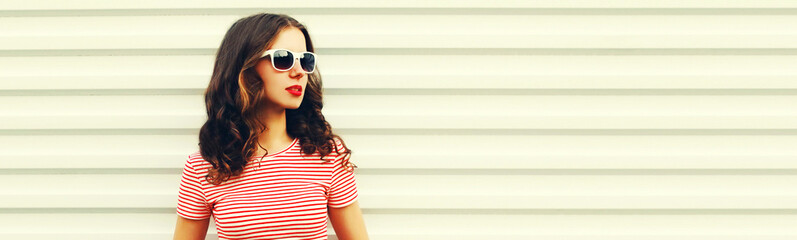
[286, 196]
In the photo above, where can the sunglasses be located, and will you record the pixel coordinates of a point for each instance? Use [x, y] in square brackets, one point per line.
[283, 59]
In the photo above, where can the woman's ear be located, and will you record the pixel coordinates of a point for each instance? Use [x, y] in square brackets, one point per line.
[251, 75]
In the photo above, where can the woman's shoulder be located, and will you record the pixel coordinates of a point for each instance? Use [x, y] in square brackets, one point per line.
[338, 142]
[196, 161]
[195, 155]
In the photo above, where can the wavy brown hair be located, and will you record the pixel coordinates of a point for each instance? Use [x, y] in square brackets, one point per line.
[227, 139]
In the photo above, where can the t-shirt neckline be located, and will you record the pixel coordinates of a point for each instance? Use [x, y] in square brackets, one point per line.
[295, 140]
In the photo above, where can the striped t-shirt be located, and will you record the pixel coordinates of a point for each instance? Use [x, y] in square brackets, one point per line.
[286, 196]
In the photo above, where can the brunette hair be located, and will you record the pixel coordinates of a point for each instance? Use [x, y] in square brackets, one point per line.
[227, 139]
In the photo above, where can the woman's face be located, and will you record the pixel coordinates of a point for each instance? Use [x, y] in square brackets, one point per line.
[276, 82]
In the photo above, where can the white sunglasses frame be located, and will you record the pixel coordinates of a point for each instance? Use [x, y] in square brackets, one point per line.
[295, 59]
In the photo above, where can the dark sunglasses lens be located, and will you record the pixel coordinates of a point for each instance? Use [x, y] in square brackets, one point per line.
[282, 59]
[308, 62]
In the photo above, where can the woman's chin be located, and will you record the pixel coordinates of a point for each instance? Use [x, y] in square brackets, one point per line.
[292, 106]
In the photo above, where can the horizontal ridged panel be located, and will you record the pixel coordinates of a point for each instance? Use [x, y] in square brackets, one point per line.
[553, 144]
[419, 104]
[411, 31]
[437, 185]
[422, 112]
[450, 121]
[546, 161]
[196, 82]
[441, 226]
[640, 151]
[449, 72]
[498, 66]
[131, 4]
[439, 192]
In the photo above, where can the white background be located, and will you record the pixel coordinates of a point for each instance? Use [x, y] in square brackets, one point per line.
[468, 119]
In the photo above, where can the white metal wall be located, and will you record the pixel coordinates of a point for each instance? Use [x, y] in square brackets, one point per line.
[469, 119]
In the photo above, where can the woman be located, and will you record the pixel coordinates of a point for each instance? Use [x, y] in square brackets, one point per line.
[268, 165]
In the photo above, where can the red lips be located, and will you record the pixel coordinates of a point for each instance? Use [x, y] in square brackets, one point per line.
[296, 90]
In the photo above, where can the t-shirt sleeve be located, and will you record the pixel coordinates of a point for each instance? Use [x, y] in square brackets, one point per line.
[343, 190]
[191, 203]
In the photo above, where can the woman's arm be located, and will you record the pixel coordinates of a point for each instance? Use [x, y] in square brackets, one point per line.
[348, 222]
[188, 229]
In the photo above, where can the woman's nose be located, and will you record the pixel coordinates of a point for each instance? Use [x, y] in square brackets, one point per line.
[297, 71]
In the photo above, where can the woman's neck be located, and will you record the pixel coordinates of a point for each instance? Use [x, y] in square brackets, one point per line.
[276, 137]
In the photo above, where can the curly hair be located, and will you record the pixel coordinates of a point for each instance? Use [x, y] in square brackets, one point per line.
[227, 139]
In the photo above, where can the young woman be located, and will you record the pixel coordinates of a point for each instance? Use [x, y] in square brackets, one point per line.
[268, 165]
